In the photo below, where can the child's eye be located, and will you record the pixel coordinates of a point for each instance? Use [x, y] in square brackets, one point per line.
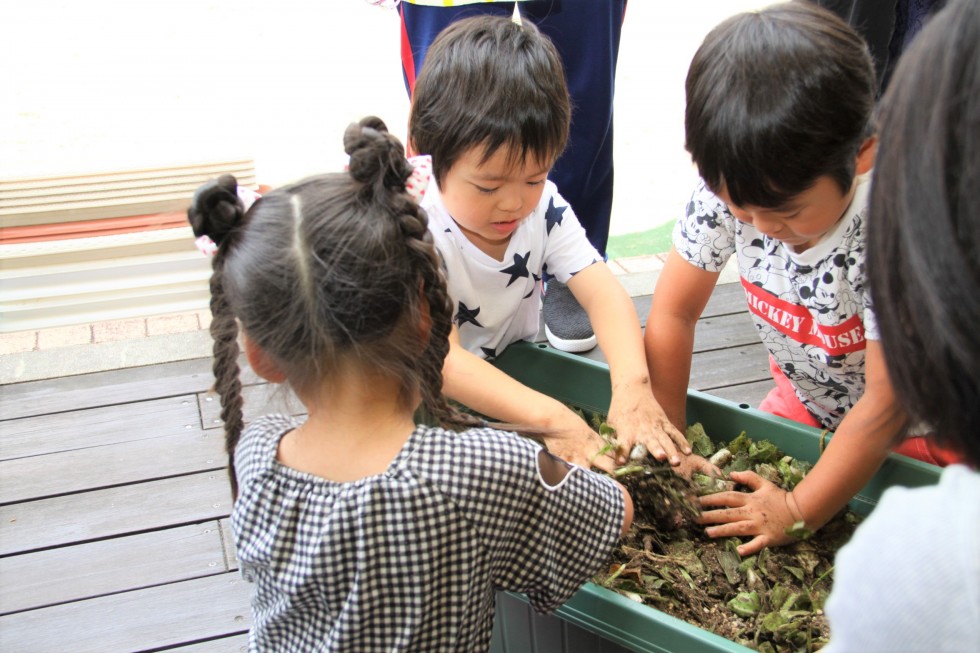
[535, 183]
[485, 191]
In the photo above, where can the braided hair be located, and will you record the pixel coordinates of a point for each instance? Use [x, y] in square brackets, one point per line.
[333, 269]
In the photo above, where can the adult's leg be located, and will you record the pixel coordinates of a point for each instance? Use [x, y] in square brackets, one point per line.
[875, 21]
[421, 24]
[586, 34]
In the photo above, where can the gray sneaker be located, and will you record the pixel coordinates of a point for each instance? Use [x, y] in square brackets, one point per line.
[565, 321]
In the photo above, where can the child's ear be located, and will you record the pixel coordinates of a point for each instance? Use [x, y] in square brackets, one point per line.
[866, 156]
[263, 365]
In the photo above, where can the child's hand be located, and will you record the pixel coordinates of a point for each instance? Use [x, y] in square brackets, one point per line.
[571, 439]
[694, 463]
[580, 445]
[764, 514]
[639, 419]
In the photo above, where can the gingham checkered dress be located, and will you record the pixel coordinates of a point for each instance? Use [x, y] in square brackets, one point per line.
[409, 560]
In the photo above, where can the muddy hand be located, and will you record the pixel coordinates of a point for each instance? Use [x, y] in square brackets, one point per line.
[692, 463]
[583, 447]
[762, 514]
[639, 419]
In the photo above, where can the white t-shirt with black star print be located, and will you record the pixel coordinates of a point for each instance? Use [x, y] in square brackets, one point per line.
[499, 302]
[411, 559]
[812, 309]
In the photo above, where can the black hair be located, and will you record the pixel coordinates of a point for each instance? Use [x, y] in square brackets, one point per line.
[924, 228]
[334, 268]
[776, 99]
[490, 82]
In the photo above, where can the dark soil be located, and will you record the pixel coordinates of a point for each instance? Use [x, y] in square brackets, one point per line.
[772, 601]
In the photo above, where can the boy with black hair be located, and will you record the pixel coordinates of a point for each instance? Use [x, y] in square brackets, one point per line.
[779, 121]
[490, 115]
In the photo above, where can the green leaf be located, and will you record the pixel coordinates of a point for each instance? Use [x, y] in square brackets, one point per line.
[740, 463]
[799, 531]
[729, 562]
[774, 621]
[619, 472]
[770, 473]
[763, 452]
[789, 602]
[746, 604]
[740, 444]
[687, 577]
[609, 446]
[748, 563]
[700, 442]
[790, 471]
[709, 485]
[796, 571]
[778, 595]
[607, 432]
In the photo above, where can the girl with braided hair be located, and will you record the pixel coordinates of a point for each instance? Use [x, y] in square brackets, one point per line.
[361, 530]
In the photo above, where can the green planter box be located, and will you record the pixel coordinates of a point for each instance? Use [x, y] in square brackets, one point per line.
[600, 620]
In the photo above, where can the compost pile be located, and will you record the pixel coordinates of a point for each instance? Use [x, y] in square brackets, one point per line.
[772, 601]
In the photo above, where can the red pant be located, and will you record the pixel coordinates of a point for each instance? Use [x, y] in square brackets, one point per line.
[782, 401]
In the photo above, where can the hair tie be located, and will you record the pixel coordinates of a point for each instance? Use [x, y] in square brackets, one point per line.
[418, 182]
[247, 196]
[206, 245]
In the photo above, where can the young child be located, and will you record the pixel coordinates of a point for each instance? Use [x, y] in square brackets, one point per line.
[779, 122]
[490, 114]
[586, 34]
[361, 530]
[909, 580]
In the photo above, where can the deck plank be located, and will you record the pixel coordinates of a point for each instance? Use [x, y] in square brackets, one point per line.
[93, 468]
[259, 400]
[146, 619]
[233, 644]
[724, 331]
[58, 521]
[745, 393]
[721, 328]
[105, 388]
[111, 388]
[95, 427]
[728, 367]
[726, 299]
[72, 573]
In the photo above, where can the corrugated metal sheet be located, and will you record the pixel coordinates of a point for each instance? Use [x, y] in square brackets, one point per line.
[71, 198]
[59, 279]
[83, 280]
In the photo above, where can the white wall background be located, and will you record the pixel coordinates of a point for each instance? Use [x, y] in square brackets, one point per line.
[96, 85]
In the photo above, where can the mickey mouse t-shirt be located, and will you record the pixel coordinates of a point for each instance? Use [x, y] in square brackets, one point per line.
[812, 309]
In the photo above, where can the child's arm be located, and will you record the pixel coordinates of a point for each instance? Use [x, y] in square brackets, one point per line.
[681, 294]
[475, 383]
[634, 411]
[861, 443]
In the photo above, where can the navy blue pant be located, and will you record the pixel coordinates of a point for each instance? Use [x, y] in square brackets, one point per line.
[586, 34]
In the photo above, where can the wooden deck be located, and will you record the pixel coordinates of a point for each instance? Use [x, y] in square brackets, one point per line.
[114, 500]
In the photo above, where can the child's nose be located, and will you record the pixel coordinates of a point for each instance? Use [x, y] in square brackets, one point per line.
[767, 226]
[511, 202]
